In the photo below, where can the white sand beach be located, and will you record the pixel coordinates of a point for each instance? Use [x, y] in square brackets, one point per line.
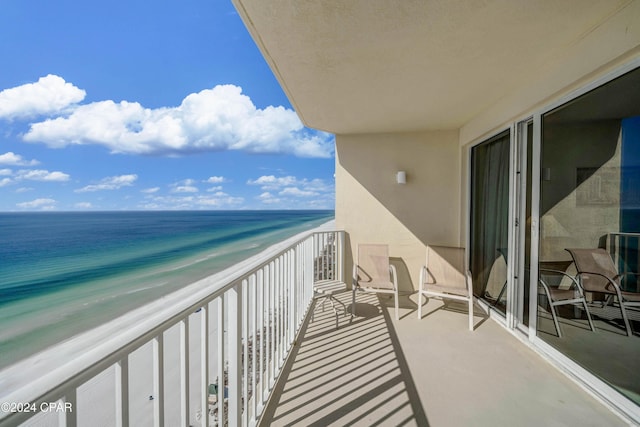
[96, 404]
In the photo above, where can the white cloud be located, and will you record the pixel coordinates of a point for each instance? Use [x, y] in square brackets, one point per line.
[218, 200]
[150, 190]
[292, 191]
[83, 205]
[270, 182]
[41, 175]
[268, 198]
[185, 189]
[215, 180]
[296, 192]
[184, 186]
[50, 94]
[216, 188]
[32, 175]
[215, 119]
[110, 183]
[291, 184]
[38, 203]
[13, 159]
[23, 189]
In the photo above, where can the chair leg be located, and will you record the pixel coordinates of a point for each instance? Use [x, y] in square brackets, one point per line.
[397, 305]
[353, 302]
[471, 313]
[344, 307]
[586, 309]
[335, 311]
[555, 319]
[419, 304]
[624, 313]
[626, 319]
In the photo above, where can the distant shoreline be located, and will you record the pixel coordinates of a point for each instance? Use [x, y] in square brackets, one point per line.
[173, 251]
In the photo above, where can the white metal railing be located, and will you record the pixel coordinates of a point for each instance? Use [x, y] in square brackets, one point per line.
[231, 334]
[625, 251]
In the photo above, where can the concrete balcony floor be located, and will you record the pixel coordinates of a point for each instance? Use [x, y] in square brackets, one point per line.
[373, 370]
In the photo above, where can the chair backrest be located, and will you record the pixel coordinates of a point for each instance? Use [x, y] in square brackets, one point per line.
[446, 265]
[373, 264]
[594, 261]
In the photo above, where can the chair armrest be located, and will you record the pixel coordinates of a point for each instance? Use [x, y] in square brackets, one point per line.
[573, 279]
[630, 273]
[469, 279]
[546, 289]
[616, 287]
[394, 276]
[423, 277]
[355, 275]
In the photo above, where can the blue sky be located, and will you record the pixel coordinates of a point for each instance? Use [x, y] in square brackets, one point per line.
[148, 105]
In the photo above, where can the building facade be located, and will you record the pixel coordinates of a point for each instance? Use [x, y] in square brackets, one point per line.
[517, 126]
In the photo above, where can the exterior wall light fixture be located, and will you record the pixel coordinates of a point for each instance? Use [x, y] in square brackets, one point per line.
[401, 177]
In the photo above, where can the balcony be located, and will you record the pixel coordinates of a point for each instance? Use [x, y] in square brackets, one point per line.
[251, 346]
[373, 370]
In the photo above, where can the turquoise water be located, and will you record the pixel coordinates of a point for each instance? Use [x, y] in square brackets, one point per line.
[64, 273]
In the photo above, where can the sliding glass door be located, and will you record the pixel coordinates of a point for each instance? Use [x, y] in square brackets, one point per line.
[489, 228]
[589, 232]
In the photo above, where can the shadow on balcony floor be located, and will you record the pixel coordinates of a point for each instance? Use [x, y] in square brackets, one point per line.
[434, 371]
[355, 375]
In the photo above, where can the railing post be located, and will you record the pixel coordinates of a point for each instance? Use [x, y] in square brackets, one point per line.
[69, 418]
[184, 372]
[263, 337]
[204, 365]
[292, 295]
[235, 348]
[244, 353]
[158, 381]
[221, 368]
[122, 392]
[254, 347]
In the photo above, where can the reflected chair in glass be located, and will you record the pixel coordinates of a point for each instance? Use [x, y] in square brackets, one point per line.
[561, 295]
[598, 274]
[372, 273]
[444, 276]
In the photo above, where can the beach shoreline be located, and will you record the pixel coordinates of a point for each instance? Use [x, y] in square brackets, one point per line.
[41, 321]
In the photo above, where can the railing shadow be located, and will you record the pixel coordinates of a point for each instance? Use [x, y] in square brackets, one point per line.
[414, 399]
[355, 374]
[454, 307]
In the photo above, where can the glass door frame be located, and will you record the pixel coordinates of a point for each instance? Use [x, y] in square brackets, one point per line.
[587, 379]
[518, 220]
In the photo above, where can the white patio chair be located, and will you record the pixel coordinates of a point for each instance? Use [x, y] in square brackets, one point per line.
[444, 276]
[598, 274]
[373, 273]
[557, 295]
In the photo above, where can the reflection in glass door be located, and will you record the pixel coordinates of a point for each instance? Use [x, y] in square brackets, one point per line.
[489, 228]
[589, 232]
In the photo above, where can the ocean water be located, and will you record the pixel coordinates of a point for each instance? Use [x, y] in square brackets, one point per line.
[63, 273]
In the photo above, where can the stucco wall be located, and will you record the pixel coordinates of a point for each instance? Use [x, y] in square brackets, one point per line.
[612, 44]
[373, 208]
[573, 216]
